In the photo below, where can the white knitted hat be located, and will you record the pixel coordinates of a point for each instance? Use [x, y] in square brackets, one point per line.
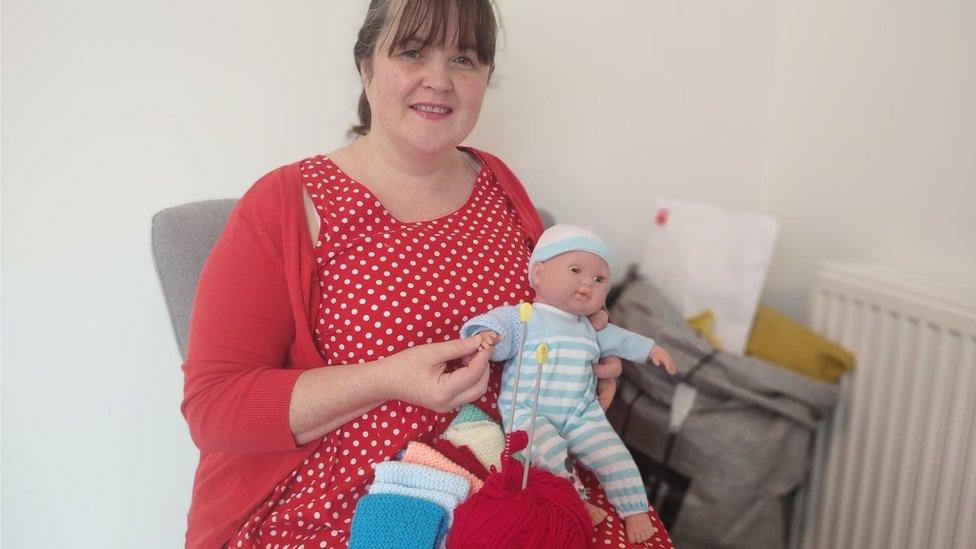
[560, 239]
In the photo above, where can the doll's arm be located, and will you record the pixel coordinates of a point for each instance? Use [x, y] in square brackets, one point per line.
[614, 340]
[504, 322]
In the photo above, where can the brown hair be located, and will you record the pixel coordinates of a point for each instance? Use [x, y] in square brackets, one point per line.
[426, 20]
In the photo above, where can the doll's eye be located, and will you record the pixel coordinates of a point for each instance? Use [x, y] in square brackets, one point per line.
[598, 279]
[575, 269]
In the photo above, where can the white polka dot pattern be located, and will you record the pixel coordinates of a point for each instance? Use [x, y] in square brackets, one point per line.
[387, 286]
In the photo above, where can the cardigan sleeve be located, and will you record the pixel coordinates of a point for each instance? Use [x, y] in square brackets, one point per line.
[237, 390]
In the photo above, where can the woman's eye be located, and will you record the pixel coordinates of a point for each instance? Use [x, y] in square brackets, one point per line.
[464, 60]
[411, 54]
[575, 269]
[598, 279]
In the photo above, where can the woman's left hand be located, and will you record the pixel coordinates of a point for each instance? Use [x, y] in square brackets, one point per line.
[606, 372]
[609, 368]
[599, 319]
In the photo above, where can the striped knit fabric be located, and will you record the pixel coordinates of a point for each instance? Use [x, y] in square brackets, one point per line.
[421, 454]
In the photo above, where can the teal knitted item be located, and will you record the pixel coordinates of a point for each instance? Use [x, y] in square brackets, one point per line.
[382, 521]
[469, 412]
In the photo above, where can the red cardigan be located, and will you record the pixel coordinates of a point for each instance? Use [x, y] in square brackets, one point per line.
[250, 338]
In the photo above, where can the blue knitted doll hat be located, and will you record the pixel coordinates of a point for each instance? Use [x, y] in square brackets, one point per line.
[560, 239]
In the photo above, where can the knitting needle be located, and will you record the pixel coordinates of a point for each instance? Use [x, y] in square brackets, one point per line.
[524, 314]
[541, 355]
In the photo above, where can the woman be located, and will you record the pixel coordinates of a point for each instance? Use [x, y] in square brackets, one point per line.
[367, 260]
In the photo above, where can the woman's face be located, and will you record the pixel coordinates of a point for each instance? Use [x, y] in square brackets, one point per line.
[425, 98]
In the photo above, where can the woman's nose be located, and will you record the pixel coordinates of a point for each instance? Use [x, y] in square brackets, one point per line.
[437, 78]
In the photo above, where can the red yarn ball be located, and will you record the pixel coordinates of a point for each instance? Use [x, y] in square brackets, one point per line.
[548, 513]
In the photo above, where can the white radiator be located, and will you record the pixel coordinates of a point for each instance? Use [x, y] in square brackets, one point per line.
[895, 466]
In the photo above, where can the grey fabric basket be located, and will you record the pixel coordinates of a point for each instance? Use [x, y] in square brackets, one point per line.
[745, 446]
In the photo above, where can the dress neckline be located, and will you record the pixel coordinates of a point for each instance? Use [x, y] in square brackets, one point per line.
[480, 179]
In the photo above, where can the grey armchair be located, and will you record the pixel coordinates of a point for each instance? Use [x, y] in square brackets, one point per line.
[181, 240]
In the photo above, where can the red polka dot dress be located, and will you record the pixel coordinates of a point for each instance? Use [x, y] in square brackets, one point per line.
[386, 286]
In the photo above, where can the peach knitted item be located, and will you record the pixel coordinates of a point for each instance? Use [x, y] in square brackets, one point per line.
[421, 454]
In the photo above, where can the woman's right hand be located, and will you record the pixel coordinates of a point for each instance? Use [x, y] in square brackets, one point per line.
[419, 374]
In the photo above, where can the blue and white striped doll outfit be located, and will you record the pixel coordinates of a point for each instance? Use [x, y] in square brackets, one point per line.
[570, 420]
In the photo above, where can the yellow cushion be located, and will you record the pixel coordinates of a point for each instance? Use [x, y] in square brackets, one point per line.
[778, 339]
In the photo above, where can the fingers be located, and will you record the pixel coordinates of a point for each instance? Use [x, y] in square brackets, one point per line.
[599, 319]
[666, 363]
[605, 391]
[463, 379]
[446, 351]
[464, 384]
[475, 391]
[608, 367]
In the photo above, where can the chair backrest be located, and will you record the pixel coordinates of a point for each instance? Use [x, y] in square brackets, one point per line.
[181, 240]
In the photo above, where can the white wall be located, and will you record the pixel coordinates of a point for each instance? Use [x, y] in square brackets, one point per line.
[847, 120]
[871, 150]
[113, 110]
[601, 112]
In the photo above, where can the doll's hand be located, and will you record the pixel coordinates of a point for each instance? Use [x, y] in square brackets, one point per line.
[599, 319]
[660, 357]
[487, 340]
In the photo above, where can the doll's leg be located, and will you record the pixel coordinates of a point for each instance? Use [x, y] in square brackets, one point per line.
[596, 445]
[549, 450]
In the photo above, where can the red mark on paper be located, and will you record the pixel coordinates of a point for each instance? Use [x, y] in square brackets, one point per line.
[661, 217]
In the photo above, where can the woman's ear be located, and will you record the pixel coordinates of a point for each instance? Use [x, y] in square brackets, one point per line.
[365, 72]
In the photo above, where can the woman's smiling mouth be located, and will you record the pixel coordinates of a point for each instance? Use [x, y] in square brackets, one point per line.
[432, 111]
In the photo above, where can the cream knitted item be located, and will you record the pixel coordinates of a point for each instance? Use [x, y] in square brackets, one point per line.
[484, 438]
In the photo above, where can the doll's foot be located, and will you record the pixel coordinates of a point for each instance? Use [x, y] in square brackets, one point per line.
[596, 514]
[639, 527]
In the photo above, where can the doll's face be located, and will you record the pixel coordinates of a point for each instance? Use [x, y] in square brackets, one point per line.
[576, 282]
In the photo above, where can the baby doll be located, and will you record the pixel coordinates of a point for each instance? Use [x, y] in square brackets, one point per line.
[570, 274]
